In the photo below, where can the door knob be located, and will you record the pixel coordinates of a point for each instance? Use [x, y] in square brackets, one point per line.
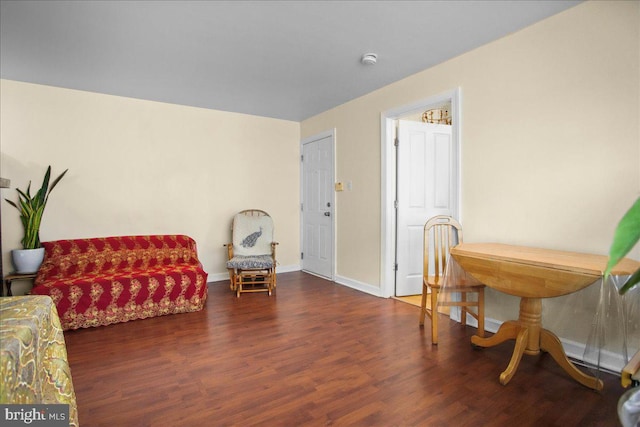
[327, 214]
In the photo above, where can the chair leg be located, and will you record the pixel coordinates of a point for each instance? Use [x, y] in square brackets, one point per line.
[232, 280]
[423, 304]
[463, 308]
[434, 316]
[481, 312]
[254, 281]
[270, 282]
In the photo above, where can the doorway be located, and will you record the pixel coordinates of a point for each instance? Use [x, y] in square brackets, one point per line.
[318, 204]
[389, 209]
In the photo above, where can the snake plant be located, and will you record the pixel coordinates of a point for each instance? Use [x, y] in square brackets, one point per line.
[625, 238]
[31, 209]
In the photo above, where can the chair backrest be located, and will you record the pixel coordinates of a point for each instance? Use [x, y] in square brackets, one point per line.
[441, 233]
[252, 233]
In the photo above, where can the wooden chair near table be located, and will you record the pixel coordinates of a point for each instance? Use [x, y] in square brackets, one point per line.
[440, 234]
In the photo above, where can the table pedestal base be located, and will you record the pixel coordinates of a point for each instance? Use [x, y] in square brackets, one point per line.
[531, 339]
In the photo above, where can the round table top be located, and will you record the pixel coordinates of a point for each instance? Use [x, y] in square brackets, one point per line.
[534, 272]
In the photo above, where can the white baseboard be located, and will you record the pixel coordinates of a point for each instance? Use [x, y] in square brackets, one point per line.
[360, 286]
[217, 277]
[288, 268]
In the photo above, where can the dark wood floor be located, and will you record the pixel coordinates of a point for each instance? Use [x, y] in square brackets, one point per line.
[315, 354]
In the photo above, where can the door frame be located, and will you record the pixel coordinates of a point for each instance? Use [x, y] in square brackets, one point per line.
[329, 133]
[388, 175]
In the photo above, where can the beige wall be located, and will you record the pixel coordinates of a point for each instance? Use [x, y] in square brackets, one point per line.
[142, 167]
[550, 140]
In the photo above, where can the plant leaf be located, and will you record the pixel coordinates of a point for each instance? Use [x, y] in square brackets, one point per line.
[12, 203]
[24, 195]
[626, 236]
[55, 182]
[632, 281]
[42, 193]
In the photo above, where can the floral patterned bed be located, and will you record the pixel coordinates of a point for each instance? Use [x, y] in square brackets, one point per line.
[33, 356]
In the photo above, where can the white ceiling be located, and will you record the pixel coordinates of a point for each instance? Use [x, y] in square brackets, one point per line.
[282, 59]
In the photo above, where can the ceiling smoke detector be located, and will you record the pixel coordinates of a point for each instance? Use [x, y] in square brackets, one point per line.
[369, 58]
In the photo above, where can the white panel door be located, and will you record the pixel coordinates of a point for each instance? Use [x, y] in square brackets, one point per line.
[427, 186]
[317, 207]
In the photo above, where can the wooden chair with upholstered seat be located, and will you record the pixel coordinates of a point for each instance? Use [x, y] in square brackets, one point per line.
[252, 253]
[440, 234]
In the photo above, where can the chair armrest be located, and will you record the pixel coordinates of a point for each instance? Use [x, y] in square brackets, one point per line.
[229, 247]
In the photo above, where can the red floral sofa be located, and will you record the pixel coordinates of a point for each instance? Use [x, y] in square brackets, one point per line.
[101, 281]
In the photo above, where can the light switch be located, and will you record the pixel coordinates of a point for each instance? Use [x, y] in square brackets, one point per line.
[339, 186]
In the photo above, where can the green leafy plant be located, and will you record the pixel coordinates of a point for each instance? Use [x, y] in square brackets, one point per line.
[625, 238]
[32, 208]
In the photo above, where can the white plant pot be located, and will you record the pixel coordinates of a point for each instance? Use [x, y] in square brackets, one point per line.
[27, 260]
